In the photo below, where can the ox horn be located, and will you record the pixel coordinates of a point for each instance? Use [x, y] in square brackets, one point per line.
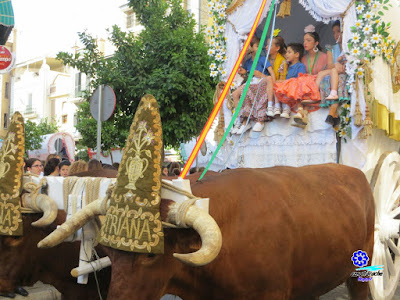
[206, 227]
[76, 221]
[41, 203]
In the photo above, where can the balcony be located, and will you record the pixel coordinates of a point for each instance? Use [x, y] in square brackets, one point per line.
[30, 112]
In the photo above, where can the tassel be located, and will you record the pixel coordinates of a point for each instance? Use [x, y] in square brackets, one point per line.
[367, 129]
[220, 129]
[367, 123]
[284, 9]
[358, 116]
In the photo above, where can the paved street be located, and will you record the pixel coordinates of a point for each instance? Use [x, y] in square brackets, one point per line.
[46, 292]
[340, 293]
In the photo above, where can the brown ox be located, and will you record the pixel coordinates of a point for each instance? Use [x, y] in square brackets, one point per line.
[22, 263]
[288, 233]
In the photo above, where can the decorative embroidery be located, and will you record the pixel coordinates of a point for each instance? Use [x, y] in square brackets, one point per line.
[133, 220]
[11, 168]
[136, 166]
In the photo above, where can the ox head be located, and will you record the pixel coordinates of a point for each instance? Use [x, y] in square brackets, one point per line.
[139, 183]
[11, 184]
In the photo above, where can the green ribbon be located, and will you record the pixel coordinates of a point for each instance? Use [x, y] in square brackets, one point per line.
[253, 68]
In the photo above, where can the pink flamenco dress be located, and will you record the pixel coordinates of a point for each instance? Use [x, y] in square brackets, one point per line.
[292, 90]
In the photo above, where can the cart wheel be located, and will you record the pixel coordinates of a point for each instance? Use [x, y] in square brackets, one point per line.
[385, 184]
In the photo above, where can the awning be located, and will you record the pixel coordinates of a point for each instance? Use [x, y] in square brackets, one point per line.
[6, 13]
[6, 20]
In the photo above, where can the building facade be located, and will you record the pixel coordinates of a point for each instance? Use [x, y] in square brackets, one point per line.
[6, 90]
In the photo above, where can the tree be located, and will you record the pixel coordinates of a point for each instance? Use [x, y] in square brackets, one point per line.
[168, 59]
[34, 133]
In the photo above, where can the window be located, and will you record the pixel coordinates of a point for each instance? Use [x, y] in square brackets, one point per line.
[5, 121]
[64, 119]
[76, 120]
[7, 90]
[130, 20]
[81, 83]
[29, 108]
[78, 82]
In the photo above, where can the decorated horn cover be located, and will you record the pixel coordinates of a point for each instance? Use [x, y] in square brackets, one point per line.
[11, 169]
[133, 221]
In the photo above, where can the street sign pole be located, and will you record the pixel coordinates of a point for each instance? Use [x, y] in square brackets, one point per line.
[99, 123]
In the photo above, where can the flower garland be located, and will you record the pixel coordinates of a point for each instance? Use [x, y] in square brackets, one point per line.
[344, 129]
[370, 34]
[215, 33]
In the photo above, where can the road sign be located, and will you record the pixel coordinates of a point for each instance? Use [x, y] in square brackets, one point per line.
[107, 106]
[7, 60]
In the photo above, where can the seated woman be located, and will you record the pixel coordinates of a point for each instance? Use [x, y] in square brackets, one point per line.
[335, 59]
[308, 93]
[262, 87]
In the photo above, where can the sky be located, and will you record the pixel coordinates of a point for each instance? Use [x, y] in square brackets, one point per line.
[46, 27]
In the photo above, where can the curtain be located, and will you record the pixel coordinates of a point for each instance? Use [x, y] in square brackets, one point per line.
[239, 24]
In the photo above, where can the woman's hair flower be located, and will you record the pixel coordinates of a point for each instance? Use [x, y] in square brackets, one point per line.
[309, 28]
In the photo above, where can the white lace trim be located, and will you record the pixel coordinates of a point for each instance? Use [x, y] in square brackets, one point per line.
[278, 144]
[316, 16]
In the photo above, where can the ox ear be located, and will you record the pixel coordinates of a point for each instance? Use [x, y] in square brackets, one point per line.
[133, 220]
[11, 171]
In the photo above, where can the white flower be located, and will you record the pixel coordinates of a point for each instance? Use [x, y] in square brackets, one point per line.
[212, 43]
[367, 16]
[367, 29]
[213, 66]
[376, 38]
[359, 24]
[220, 68]
[375, 5]
[221, 28]
[209, 30]
[375, 51]
[210, 5]
[224, 6]
[218, 56]
[211, 52]
[360, 72]
[217, 47]
[356, 37]
[223, 72]
[213, 73]
[365, 45]
[222, 15]
[360, 8]
[222, 51]
[210, 13]
[218, 7]
[233, 85]
[355, 51]
[378, 22]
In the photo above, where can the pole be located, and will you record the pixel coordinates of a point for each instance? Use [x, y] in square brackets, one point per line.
[98, 148]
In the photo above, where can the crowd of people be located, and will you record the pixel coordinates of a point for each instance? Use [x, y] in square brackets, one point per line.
[54, 166]
[297, 78]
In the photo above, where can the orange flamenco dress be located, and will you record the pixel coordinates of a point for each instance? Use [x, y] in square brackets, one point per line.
[292, 90]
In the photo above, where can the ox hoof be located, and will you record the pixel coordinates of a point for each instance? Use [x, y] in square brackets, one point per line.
[8, 295]
[21, 291]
